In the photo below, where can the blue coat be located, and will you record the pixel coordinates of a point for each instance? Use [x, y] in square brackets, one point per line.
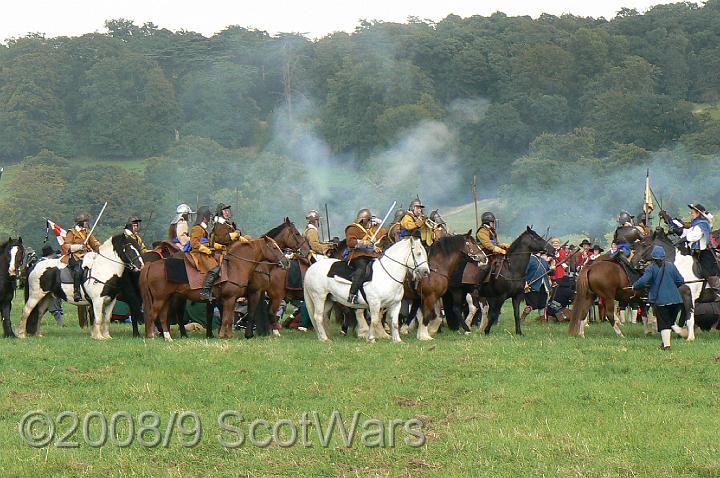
[663, 287]
[536, 268]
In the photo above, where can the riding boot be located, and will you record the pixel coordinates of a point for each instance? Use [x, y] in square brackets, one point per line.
[212, 276]
[77, 283]
[714, 283]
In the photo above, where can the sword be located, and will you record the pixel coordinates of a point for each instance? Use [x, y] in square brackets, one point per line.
[372, 239]
[96, 223]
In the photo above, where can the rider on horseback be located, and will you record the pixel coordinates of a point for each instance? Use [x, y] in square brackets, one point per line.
[698, 235]
[362, 250]
[178, 231]
[132, 230]
[394, 229]
[313, 237]
[224, 231]
[203, 251]
[77, 243]
[488, 240]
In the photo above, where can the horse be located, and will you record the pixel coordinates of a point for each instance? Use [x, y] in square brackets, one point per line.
[100, 285]
[239, 260]
[507, 281]
[608, 280]
[11, 259]
[272, 280]
[385, 290]
[685, 264]
[444, 256]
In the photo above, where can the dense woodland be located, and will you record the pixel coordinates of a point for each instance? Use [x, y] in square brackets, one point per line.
[556, 108]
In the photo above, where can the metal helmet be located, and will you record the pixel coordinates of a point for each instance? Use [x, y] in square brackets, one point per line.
[399, 214]
[220, 207]
[625, 217]
[183, 209]
[363, 216]
[312, 215]
[132, 220]
[82, 218]
[203, 215]
[415, 202]
[487, 217]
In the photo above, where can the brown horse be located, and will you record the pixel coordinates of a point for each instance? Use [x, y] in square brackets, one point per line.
[272, 280]
[444, 257]
[606, 279]
[240, 261]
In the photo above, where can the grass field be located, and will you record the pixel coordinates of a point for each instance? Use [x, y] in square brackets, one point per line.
[538, 405]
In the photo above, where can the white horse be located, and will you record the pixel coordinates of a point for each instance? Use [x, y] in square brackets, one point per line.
[384, 291]
[99, 289]
[685, 265]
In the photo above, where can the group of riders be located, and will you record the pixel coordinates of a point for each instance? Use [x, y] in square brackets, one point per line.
[211, 235]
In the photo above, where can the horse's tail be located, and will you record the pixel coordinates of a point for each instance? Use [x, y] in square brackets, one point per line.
[582, 303]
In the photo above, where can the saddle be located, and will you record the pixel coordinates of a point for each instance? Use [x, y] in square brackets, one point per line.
[342, 270]
[632, 274]
[457, 274]
[495, 263]
[166, 249]
[66, 275]
[184, 271]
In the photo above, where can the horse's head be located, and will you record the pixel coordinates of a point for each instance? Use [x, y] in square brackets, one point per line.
[288, 237]
[531, 241]
[271, 252]
[644, 247]
[417, 259]
[128, 251]
[15, 254]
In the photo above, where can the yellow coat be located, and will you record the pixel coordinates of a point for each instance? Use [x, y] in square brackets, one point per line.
[411, 223]
[77, 236]
[199, 251]
[313, 238]
[485, 236]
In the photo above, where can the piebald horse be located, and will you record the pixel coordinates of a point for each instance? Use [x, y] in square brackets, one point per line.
[100, 286]
[384, 291]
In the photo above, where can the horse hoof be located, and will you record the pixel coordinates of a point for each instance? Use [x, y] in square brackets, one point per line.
[371, 341]
[425, 338]
[468, 333]
[398, 340]
[404, 330]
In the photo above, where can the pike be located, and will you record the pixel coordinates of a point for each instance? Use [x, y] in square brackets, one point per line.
[558, 264]
[327, 221]
[372, 239]
[474, 190]
[96, 223]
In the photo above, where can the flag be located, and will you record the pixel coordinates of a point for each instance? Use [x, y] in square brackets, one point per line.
[648, 203]
[58, 231]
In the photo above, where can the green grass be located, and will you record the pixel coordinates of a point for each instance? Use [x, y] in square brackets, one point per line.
[539, 405]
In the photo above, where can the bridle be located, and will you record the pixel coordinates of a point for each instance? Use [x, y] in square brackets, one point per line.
[127, 265]
[408, 268]
[252, 261]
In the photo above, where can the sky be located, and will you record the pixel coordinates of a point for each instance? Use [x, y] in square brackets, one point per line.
[315, 18]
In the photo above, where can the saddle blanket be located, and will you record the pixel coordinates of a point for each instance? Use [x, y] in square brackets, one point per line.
[184, 271]
[294, 276]
[342, 269]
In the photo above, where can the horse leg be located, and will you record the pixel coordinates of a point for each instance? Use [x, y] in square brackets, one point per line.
[472, 310]
[165, 320]
[105, 321]
[422, 317]
[362, 325]
[381, 332]
[610, 314]
[227, 312]
[31, 303]
[516, 311]
[493, 314]
[375, 321]
[98, 306]
[435, 320]
[7, 324]
[464, 321]
[393, 314]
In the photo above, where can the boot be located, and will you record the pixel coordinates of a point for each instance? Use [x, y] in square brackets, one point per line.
[212, 276]
[77, 282]
[714, 284]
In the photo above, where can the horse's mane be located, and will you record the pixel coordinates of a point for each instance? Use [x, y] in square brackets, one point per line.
[448, 245]
[277, 230]
[516, 242]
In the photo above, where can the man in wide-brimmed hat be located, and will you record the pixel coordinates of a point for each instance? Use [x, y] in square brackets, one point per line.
[698, 236]
[585, 255]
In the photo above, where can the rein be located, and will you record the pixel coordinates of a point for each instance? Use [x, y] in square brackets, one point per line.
[412, 269]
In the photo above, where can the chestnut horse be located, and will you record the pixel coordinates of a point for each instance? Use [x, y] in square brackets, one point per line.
[272, 280]
[240, 261]
[606, 279]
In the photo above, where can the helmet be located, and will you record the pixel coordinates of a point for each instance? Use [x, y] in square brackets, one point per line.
[220, 207]
[399, 214]
[625, 217]
[415, 202]
[132, 220]
[203, 214]
[312, 215]
[82, 217]
[183, 209]
[487, 217]
[363, 216]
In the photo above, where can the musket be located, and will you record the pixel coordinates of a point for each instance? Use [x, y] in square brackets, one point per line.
[474, 189]
[559, 264]
[372, 239]
[327, 221]
[96, 223]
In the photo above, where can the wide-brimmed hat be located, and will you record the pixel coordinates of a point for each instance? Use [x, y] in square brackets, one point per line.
[597, 247]
[658, 252]
[699, 208]
[585, 241]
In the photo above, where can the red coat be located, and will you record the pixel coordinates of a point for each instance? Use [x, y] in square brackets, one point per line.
[583, 259]
[560, 255]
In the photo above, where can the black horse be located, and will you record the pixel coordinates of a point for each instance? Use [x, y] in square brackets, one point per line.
[507, 281]
[11, 259]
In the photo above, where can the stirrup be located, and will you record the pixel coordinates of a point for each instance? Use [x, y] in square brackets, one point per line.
[353, 298]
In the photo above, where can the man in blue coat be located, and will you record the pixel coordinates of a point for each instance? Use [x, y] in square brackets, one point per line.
[663, 279]
[538, 284]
